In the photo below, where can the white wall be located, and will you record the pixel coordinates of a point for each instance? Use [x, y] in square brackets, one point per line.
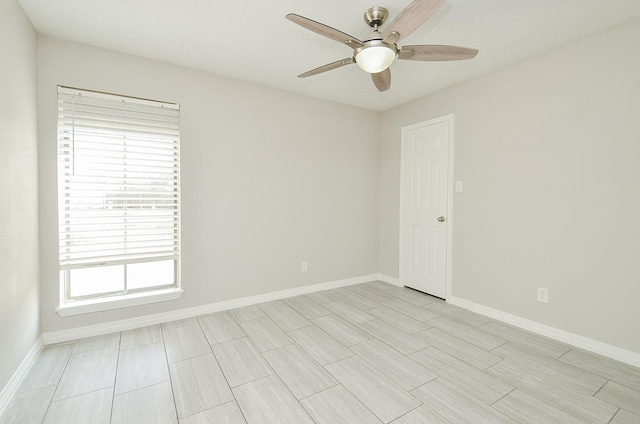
[19, 313]
[269, 179]
[549, 152]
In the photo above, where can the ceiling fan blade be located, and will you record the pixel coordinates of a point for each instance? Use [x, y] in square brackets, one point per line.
[436, 53]
[325, 30]
[413, 16]
[382, 80]
[328, 67]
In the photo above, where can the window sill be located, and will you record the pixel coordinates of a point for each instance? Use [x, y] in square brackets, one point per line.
[117, 302]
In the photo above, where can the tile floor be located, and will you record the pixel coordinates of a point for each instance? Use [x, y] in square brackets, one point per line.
[368, 353]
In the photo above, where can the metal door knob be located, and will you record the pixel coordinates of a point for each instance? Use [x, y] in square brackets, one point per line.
[441, 219]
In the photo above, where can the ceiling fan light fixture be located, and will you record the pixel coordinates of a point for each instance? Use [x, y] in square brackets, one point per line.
[375, 57]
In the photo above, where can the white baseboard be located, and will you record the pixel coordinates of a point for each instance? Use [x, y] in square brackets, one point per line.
[16, 379]
[591, 345]
[131, 323]
[390, 280]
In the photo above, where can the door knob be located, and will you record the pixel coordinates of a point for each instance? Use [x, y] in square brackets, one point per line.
[441, 219]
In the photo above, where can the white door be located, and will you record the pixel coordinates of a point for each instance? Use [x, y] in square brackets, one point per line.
[425, 186]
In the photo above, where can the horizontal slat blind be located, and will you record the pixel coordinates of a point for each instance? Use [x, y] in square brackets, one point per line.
[118, 179]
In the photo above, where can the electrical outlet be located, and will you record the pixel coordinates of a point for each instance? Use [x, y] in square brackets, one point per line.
[543, 295]
[304, 266]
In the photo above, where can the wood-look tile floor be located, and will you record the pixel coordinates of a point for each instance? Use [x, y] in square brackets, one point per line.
[370, 353]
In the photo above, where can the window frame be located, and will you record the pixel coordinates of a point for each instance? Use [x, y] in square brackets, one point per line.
[127, 297]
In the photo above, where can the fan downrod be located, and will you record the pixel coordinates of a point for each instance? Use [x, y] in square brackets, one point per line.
[375, 16]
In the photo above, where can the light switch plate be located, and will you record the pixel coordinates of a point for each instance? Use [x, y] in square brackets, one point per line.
[458, 186]
[543, 295]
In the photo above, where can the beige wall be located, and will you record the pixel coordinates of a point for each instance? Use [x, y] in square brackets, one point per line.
[19, 315]
[269, 179]
[549, 153]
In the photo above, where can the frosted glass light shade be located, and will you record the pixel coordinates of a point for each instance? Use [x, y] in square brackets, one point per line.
[374, 59]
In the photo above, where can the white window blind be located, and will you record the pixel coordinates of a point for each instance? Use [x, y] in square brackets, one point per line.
[118, 178]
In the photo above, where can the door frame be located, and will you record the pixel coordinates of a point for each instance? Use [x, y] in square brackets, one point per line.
[450, 119]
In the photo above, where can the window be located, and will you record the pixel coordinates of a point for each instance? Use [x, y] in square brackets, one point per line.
[118, 197]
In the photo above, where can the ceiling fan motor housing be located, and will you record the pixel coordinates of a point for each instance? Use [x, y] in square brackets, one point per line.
[375, 54]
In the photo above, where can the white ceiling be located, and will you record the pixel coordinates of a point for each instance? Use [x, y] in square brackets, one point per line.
[251, 40]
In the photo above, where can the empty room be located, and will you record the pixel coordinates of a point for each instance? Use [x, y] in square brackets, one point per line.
[212, 214]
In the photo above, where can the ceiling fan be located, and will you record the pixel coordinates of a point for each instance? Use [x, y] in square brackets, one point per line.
[377, 51]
